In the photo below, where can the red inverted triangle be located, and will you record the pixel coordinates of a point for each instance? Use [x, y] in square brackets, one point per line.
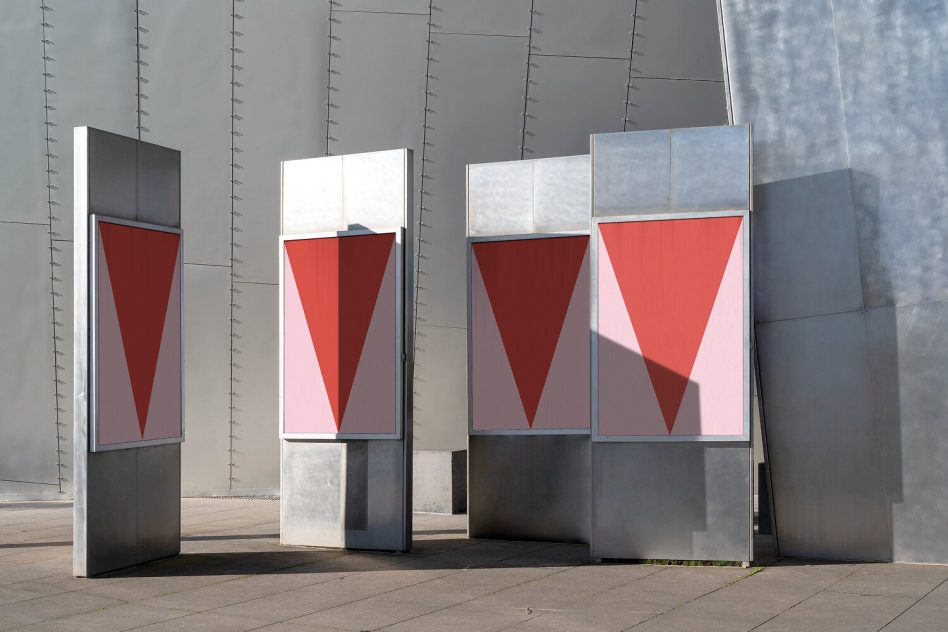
[338, 279]
[530, 283]
[669, 273]
[141, 265]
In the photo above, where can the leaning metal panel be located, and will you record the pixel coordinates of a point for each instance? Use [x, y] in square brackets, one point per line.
[363, 499]
[126, 507]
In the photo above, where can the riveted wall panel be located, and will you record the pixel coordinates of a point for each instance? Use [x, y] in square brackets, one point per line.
[580, 29]
[23, 172]
[489, 17]
[383, 6]
[573, 97]
[27, 390]
[93, 85]
[662, 28]
[893, 97]
[282, 117]
[477, 116]
[663, 103]
[825, 458]
[204, 454]
[189, 60]
[256, 406]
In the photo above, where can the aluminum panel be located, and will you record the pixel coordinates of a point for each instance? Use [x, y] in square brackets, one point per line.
[561, 194]
[806, 260]
[159, 185]
[113, 174]
[894, 89]
[205, 456]
[440, 388]
[792, 100]
[529, 487]
[631, 173]
[664, 103]
[488, 17]
[92, 85]
[399, 6]
[23, 177]
[678, 39]
[500, 198]
[477, 116]
[571, 98]
[374, 189]
[312, 195]
[158, 506]
[689, 501]
[829, 487]
[278, 35]
[387, 504]
[378, 91]
[256, 405]
[312, 495]
[909, 370]
[189, 61]
[579, 29]
[710, 168]
[27, 390]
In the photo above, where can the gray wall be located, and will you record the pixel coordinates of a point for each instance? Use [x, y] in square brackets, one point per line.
[848, 102]
[238, 94]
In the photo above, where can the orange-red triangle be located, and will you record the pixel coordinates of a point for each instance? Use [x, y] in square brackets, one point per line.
[529, 283]
[669, 273]
[141, 266]
[338, 279]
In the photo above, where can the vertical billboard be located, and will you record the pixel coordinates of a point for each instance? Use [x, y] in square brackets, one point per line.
[136, 390]
[529, 335]
[342, 322]
[671, 318]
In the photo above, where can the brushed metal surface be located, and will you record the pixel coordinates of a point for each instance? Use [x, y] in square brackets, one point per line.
[681, 501]
[908, 364]
[311, 198]
[561, 192]
[824, 445]
[500, 198]
[27, 390]
[529, 487]
[571, 98]
[23, 172]
[158, 185]
[632, 173]
[312, 493]
[113, 175]
[806, 259]
[400, 6]
[487, 17]
[710, 168]
[441, 387]
[374, 189]
[793, 100]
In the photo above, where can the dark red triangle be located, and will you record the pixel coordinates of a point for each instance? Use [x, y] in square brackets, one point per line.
[529, 283]
[141, 265]
[338, 279]
[669, 273]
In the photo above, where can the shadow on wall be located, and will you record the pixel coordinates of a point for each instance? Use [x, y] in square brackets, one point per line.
[829, 367]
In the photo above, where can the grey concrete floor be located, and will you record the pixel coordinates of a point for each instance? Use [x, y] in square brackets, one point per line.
[234, 575]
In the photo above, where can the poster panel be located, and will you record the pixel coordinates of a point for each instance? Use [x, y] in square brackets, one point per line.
[529, 335]
[671, 328]
[137, 377]
[342, 338]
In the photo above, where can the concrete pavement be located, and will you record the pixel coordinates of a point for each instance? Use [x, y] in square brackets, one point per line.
[234, 575]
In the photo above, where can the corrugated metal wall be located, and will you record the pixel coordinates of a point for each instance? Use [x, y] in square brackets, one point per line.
[238, 86]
